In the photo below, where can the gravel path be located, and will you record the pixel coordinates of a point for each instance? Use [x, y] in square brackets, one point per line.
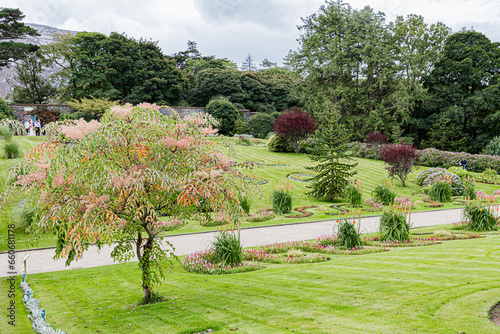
[41, 260]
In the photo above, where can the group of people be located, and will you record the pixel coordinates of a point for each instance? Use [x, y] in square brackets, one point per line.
[33, 128]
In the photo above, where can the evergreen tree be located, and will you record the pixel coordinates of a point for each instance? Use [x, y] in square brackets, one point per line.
[444, 135]
[330, 151]
[10, 29]
[248, 64]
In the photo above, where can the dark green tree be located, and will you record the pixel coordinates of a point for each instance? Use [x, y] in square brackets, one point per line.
[5, 110]
[29, 84]
[260, 125]
[11, 28]
[333, 166]
[224, 112]
[214, 82]
[444, 135]
[267, 64]
[464, 84]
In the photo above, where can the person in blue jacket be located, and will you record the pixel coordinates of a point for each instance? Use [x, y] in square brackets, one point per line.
[463, 163]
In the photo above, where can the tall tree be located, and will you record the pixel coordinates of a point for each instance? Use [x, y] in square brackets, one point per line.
[331, 153]
[29, 83]
[248, 64]
[464, 84]
[267, 64]
[11, 28]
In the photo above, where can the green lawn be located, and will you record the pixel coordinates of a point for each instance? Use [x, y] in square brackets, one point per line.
[445, 288]
[370, 172]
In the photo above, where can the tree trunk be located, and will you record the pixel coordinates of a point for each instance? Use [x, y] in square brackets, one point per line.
[145, 268]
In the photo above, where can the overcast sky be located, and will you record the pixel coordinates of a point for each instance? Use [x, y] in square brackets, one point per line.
[233, 28]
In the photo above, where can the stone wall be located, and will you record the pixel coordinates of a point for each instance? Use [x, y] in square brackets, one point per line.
[20, 110]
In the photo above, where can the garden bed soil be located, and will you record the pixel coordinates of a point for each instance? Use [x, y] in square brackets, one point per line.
[495, 314]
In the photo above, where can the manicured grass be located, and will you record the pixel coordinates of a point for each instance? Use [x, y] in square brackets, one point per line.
[445, 288]
[370, 172]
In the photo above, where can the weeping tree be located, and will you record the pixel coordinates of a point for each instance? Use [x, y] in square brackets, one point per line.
[105, 183]
[331, 153]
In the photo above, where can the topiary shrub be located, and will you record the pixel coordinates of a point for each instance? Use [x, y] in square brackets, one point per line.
[493, 147]
[260, 125]
[224, 112]
[278, 144]
[5, 110]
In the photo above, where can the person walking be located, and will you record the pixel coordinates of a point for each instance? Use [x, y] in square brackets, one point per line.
[38, 127]
[27, 126]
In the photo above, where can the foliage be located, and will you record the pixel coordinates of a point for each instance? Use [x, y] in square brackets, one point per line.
[226, 249]
[334, 166]
[91, 108]
[29, 84]
[12, 29]
[469, 191]
[117, 67]
[102, 183]
[400, 159]
[431, 176]
[260, 125]
[225, 113]
[376, 138]
[464, 84]
[5, 132]
[493, 147]
[477, 162]
[384, 194]
[348, 235]
[11, 149]
[444, 135]
[440, 191]
[480, 217]
[295, 126]
[240, 126]
[15, 127]
[394, 225]
[246, 203]
[281, 199]
[354, 193]
[248, 64]
[200, 262]
[5, 110]
[277, 143]
[261, 215]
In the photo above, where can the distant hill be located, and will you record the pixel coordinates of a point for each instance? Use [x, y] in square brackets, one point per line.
[46, 33]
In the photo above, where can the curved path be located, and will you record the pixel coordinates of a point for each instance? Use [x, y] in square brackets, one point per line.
[41, 260]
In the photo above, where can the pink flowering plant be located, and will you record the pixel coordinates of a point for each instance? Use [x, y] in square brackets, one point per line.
[105, 183]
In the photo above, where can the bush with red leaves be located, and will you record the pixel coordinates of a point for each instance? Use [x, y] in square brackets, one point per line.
[400, 159]
[376, 138]
[295, 125]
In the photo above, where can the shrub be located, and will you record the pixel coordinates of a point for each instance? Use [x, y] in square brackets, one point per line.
[348, 235]
[469, 191]
[278, 144]
[424, 174]
[383, 194]
[92, 108]
[5, 110]
[245, 203]
[400, 159]
[269, 135]
[436, 175]
[16, 127]
[226, 249]
[493, 147]
[11, 149]
[440, 191]
[295, 126]
[477, 162]
[240, 126]
[353, 193]
[260, 125]
[5, 133]
[479, 217]
[376, 138]
[224, 112]
[394, 226]
[363, 150]
[281, 200]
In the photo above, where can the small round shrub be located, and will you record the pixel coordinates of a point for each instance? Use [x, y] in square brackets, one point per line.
[433, 175]
[11, 150]
[480, 218]
[5, 133]
[394, 227]
[281, 200]
[260, 125]
[493, 147]
[278, 144]
[240, 126]
[440, 191]
[226, 113]
[227, 249]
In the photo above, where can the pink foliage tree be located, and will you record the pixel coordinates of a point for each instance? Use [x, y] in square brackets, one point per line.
[295, 126]
[399, 159]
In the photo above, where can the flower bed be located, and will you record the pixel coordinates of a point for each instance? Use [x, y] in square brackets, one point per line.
[303, 212]
[255, 179]
[300, 176]
[482, 196]
[450, 237]
[405, 202]
[322, 244]
[173, 224]
[270, 163]
[432, 175]
[375, 241]
[200, 263]
[263, 256]
[261, 215]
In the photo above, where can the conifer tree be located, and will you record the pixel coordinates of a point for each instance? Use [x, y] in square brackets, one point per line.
[10, 29]
[330, 151]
